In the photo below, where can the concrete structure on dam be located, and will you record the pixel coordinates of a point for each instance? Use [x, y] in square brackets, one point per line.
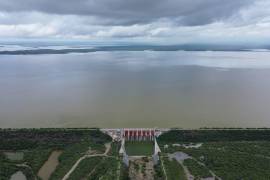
[136, 134]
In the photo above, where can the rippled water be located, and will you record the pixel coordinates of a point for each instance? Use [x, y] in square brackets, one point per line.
[136, 89]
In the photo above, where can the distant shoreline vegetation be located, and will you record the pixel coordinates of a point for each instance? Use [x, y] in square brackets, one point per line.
[83, 49]
[97, 128]
[215, 135]
[172, 128]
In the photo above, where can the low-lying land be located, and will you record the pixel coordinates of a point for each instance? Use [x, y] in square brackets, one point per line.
[66, 154]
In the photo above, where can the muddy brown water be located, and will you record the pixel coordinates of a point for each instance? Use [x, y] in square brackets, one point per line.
[135, 89]
[49, 166]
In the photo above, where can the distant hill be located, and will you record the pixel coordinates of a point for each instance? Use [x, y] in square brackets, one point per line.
[87, 49]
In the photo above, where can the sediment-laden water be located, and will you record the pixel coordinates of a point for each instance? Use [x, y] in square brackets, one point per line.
[136, 89]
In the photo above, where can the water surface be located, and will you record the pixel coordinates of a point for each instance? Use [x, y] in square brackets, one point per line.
[18, 176]
[14, 156]
[136, 89]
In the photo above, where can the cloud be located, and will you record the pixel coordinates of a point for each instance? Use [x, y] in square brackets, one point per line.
[125, 12]
[170, 21]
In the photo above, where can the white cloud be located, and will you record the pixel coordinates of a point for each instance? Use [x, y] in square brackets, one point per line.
[28, 30]
[249, 23]
[123, 31]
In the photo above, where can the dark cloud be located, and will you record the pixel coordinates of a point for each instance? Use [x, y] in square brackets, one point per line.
[126, 12]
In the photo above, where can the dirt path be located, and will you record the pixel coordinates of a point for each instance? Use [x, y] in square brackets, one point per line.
[181, 156]
[108, 147]
[210, 171]
[93, 170]
[164, 170]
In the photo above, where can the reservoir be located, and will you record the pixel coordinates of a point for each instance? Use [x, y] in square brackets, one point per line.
[136, 89]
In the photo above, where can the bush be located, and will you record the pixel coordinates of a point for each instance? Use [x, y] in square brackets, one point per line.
[173, 169]
[197, 170]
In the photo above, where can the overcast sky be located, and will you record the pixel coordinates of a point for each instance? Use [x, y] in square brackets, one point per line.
[163, 21]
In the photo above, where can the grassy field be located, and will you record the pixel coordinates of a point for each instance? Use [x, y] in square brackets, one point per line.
[143, 148]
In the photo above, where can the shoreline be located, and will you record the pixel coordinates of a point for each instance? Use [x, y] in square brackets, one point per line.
[172, 128]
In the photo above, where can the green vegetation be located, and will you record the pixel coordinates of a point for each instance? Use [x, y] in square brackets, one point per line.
[35, 158]
[173, 169]
[197, 170]
[115, 147]
[230, 154]
[106, 170]
[30, 164]
[159, 173]
[23, 139]
[214, 135]
[14, 156]
[7, 168]
[85, 167]
[71, 154]
[37, 144]
[143, 148]
[124, 172]
[242, 162]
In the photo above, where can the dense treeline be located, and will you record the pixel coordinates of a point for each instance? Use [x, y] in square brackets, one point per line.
[174, 170]
[197, 170]
[214, 135]
[21, 139]
[231, 160]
